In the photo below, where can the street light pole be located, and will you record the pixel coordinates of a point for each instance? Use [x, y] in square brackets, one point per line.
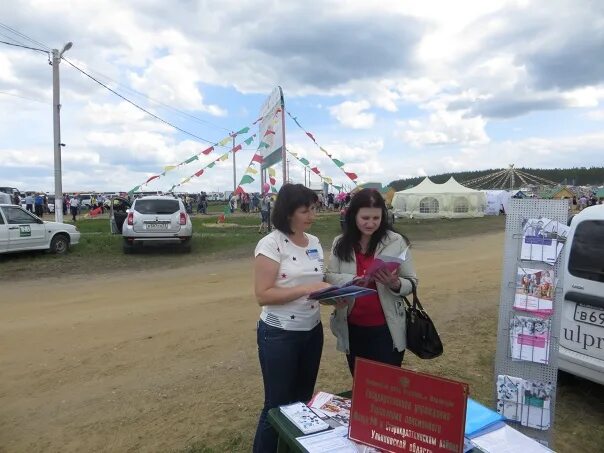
[56, 123]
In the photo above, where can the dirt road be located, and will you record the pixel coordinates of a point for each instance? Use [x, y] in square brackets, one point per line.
[153, 361]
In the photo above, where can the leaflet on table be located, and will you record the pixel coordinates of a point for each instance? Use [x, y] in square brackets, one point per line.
[390, 263]
[347, 290]
[303, 418]
[543, 239]
[508, 440]
[333, 406]
[530, 339]
[535, 291]
[335, 440]
[524, 401]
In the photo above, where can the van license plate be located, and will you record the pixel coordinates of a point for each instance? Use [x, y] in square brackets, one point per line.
[589, 315]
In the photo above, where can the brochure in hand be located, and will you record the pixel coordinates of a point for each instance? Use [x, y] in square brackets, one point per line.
[329, 296]
[303, 418]
[390, 263]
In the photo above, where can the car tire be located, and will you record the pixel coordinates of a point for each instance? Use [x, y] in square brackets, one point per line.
[127, 247]
[59, 244]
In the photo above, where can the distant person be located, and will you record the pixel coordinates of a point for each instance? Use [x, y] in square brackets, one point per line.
[330, 201]
[65, 204]
[288, 266]
[39, 205]
[372, 326]
[29, 202]
[74, 204]
[265, 204]
[17, 199]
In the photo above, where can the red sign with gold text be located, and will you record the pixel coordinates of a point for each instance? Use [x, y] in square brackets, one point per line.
[399, 410]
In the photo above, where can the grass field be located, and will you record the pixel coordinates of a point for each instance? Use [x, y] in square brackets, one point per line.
[100, 252]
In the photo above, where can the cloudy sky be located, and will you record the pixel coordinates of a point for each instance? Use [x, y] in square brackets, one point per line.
[393, 88]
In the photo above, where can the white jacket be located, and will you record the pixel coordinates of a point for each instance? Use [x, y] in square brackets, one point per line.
[339, 272]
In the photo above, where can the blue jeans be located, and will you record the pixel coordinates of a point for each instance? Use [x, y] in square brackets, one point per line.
[289, 361]
[373, 343]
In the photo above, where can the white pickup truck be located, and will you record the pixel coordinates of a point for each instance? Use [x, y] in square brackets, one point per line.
[20, 230]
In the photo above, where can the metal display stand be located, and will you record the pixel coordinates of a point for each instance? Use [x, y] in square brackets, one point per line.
[518, 211]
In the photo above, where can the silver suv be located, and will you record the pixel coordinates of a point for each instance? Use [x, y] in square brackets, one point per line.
[158, 219]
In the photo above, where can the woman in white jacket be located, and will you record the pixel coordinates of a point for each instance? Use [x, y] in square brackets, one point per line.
[372, 327]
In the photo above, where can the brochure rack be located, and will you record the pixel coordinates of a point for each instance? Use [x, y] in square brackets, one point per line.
[525, 390]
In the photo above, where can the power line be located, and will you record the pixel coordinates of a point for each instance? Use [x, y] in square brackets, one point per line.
[18, 33]
[155, 101]
[23, 97]
[25, 47]
[136, 105]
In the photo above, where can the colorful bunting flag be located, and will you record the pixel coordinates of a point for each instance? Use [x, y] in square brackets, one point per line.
[169, 168]
[191, 159]
[208, 151]
[272, 180]
[237, 148]
[257, 121]
[245, 130]
[225, 140]
[257, 158]
[211, 165]
[315, 170]
[251, 170]
[249, 140]
[186, 180]
[247, 179]
[304, 161]
[273, 189]
[151, 179]
[269, 132]
[351, 175]
[199, 173]
[272, 171]
[311, 137]
[325, 151]
[263, 145]
[339, 163]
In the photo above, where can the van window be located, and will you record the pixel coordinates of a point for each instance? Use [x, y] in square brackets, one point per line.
[587, 252]
[156, 206]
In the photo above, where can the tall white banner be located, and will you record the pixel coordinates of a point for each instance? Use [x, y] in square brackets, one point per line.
[271, 129]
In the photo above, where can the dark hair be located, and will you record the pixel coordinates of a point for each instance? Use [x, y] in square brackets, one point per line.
[290, 198]
[349, 242]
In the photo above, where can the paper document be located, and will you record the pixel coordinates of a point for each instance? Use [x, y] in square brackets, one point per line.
[524, 401]
[535, 291]
[334, 440]
[390, 263]
[333, 406]
[530, 339]
[508, 440]
[335, 292]
[303, 418]
[543, 239]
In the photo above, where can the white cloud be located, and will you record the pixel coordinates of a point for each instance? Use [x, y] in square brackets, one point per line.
[444, 128]
[352, 114]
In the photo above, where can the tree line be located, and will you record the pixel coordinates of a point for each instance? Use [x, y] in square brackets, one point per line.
[577, 176]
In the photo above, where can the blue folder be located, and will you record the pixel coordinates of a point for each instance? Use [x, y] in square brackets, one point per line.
[481, 420]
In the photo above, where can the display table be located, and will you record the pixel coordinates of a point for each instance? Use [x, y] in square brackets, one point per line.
[287, 432]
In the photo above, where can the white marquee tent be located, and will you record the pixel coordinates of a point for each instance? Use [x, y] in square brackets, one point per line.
[430, 200]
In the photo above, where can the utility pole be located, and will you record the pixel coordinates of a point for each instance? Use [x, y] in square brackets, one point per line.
[56, 123]
[234, 166]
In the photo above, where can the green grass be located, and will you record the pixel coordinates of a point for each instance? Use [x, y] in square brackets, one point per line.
[101, 252]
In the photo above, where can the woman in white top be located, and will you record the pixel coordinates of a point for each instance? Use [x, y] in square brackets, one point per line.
[288, 267]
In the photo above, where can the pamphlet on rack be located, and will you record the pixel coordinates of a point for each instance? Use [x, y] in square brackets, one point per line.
[530, 339]
[329, 296]
[535, 291]
[524, 401]
[303, 418]
[337, 408]
[543, 239]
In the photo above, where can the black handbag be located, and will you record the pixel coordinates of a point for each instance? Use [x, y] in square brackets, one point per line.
[422, 337]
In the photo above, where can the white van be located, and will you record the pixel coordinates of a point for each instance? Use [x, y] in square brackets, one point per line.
[582, 327]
